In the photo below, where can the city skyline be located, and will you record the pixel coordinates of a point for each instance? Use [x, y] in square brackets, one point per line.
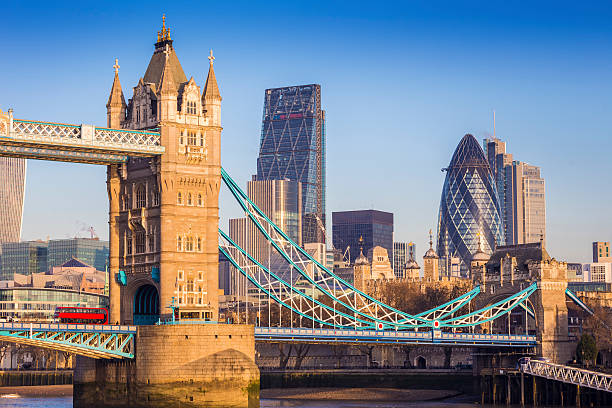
[425, 146]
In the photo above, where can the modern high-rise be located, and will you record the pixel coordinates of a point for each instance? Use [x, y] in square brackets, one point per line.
[91, 251]
[469, 208]
[601, 251]
[529, 204]
[292, 148]
[521, 192]
[281, 202]
[12, 191]
[402, 253]
[23, 258]
[373, 226]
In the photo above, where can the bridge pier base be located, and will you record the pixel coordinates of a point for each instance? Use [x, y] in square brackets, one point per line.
[175, 365]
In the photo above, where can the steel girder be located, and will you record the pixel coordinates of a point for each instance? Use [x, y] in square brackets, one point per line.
[357, 309]
[95, 341]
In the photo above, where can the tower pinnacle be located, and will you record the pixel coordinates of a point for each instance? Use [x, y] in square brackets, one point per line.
[211, 57]
[116, 66]
[164, 34]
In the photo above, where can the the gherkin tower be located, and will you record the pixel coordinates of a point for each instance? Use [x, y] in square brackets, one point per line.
[469, 207]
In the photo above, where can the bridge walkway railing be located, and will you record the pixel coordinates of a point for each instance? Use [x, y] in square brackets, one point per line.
[570, 375]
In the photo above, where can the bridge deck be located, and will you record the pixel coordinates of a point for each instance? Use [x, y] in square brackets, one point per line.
[74, 143]
[434, 337]
[95, 341]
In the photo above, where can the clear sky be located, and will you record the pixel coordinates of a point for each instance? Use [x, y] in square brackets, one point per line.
[401, 83]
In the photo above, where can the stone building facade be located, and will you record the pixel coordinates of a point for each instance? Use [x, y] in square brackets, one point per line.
[164, 210]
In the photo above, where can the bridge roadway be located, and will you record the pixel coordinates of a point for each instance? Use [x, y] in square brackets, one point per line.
[95, 341]
[569, 375]
[432, 337]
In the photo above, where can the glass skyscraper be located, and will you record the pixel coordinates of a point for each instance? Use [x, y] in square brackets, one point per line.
[12, 190]
[91, 251]
[469, 207]
[375, 227]
[293, 148]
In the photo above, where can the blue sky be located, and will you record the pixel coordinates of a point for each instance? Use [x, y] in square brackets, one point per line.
[402, 82]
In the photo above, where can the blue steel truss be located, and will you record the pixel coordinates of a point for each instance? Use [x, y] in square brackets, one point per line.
[95, 341]
[313, 291]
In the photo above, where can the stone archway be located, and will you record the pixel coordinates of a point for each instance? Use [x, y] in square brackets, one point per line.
[421, 362]
[146, 305]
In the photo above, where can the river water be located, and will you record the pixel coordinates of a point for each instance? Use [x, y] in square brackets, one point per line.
[66, 402]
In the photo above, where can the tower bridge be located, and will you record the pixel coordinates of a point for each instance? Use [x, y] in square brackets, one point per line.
[162, 152]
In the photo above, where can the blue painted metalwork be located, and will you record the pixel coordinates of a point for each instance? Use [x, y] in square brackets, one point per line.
[383, 316]
[430, 337]
[95, 341]
[577, 300]
[121, 278]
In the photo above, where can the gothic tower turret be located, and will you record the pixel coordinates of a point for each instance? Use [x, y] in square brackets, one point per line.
[164, 211]
[115, 107]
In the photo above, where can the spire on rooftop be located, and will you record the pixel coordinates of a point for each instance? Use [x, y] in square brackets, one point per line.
[211, 89]
[164, 34]
[116, 98]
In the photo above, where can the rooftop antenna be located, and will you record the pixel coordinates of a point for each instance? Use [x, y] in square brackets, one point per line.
[494, 124]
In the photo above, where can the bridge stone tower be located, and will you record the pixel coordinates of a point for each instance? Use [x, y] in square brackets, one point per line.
[164, 211]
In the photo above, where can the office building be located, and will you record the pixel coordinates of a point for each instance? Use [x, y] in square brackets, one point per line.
[375, 227]
[529, 204]
[601, 252]
[24, 258]
[469, 208]
[402, 253]
[597, 272]
[521, 194]
[93, 252]
[12, 191]
[293, 148]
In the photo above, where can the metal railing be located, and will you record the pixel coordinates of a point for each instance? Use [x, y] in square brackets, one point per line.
[570, 375]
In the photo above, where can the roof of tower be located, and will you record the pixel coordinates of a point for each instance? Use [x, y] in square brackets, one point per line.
[116, 94]
[167, 83]
[430, 252]
[524, 253]
[211, 89]
[159, 63]
[412, 264]
[361, 259]
[468, 153]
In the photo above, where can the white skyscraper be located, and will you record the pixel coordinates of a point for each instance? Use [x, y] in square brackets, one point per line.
[12, 191]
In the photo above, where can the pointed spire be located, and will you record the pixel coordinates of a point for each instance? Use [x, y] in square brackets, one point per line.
[116, 99]
[164, 34]
[211, 89]
[167, 84]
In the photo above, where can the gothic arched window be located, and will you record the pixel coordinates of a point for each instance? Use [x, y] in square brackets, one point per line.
[141, 197]
[189, 202]
[200, 199]
[179, 243]
[179, 198]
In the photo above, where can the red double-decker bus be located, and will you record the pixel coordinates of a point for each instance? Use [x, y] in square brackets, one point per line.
[81, 315]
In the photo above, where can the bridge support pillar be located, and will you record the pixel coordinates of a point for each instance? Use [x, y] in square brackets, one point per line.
[176, 365]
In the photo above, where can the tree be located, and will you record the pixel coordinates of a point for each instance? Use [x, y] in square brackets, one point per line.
[586, 351]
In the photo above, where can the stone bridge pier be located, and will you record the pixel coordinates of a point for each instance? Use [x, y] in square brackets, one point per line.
[208, 365]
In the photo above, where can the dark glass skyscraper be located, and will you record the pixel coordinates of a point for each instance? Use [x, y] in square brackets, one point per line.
[376, 228]
[293, 148]
[469, 207]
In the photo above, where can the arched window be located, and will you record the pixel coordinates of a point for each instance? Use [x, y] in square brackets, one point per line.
[199, 200]
[201, 139]
[199, 245]
[155, 197]
[189, 244]
[128, 243]
[140, 242]
[179, 243]
[152, 240]
[141, 196]
[191, 138]
[189, 202]
[181, 140]
[179, 198]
